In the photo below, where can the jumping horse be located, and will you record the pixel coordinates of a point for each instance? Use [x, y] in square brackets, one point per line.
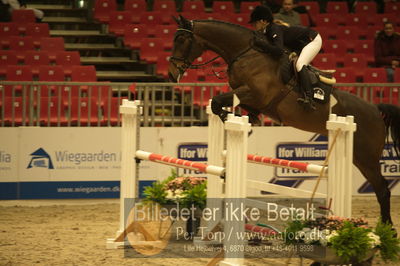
[255, 78]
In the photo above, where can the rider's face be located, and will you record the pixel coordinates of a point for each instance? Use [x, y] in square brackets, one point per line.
[260, 25]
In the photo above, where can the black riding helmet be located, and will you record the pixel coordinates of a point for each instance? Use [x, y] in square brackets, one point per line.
[261, 12]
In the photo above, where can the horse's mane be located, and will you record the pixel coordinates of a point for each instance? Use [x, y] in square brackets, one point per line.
[224, 22]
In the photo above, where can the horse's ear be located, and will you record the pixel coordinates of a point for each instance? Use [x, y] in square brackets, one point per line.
[178, 20]
[185, 23]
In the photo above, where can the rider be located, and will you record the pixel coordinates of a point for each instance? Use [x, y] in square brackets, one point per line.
[296, 38]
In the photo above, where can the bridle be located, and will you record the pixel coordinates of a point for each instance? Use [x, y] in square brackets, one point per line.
[185, 62]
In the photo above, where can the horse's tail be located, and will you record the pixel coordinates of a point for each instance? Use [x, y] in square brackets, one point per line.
[391, 117]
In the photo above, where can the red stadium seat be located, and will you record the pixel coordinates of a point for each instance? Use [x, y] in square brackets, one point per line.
[165, 31]
[134, 33]
[19, 73]
[14, 112]
[21, 43]
[346, 75]
[337, 47]
[351, 33]
[23, 16]
[357, 61]
[326, 20]
[311, 6]
[68, 59]
[358, 20]
[241, 19]
[392, 7]
[325, 61]
[196, 6]
[397, 75]
[336, 7]
[102, 9]
[118, 20]
[37, 29]
[365, 8]
[84, 74]
[379, 19]
[8, 29]
[150, 48]
[151, 18]
[84, 111]
[135, 6]
[163, 63]
[372, 31]
[34, 59]
[365, 47]
[223, 7]
[111, 112]
[52, 112]
[52, 44]
[375, 75]
[164, 5]
[51, 73]
[247, 7]
[327, 33]
[7, 58]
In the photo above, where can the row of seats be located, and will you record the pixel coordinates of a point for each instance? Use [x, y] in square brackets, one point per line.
[50, 111]
[348, 33]
[24, 29]
[35, 59]
[25, 43]
[78, 73]
[104, 8]
[341, 7]
[333, 20]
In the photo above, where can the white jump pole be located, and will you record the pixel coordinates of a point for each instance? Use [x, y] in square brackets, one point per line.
[129, 111]
[340, 174]
[237, 129]
[215, 145]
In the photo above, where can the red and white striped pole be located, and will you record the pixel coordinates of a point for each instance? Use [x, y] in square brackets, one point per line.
[162, 159]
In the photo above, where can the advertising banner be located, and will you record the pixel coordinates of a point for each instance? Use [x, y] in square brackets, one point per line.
[85, 162]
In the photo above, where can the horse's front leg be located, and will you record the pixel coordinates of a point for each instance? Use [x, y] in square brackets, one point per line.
[219, 102]
[226, 100]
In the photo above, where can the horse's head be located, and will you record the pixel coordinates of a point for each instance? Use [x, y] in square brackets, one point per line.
[186, 49]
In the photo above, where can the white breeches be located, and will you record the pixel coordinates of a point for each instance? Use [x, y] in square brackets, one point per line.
[309, 52]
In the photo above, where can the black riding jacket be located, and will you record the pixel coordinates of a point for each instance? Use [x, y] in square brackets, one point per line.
[293, 38]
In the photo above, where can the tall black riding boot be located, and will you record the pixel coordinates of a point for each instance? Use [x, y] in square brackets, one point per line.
[306, 90]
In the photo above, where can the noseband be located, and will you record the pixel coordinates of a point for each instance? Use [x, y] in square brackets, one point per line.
[185, 63]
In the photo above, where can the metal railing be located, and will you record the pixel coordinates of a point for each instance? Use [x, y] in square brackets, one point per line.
[164, 104]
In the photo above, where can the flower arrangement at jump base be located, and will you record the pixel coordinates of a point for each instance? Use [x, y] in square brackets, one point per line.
[186, 191]
[339, 240]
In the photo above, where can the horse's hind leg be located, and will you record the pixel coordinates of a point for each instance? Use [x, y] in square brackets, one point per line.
[368, 164]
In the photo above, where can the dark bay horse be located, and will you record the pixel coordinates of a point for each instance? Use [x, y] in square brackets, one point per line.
[255, 78]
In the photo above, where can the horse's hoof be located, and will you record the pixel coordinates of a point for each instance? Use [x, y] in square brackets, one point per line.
[250, 132]
[223, 115]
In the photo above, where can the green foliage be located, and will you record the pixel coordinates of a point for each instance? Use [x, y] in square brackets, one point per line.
[196, 196]
[290, 231]
[351, 242]
[390, 245]
[156, 192]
